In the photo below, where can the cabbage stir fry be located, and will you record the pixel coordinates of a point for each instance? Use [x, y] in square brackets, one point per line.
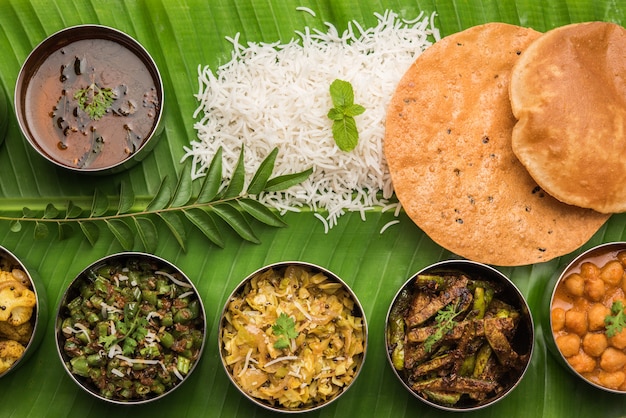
[292, 337]
[132, 329]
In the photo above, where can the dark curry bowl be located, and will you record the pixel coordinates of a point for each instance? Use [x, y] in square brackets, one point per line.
[130, 328]
[292, 337]
[459, 335]
[90, 99]
[23, 312]
[584, 319]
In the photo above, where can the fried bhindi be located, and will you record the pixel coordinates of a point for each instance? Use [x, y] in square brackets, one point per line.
[451, 338]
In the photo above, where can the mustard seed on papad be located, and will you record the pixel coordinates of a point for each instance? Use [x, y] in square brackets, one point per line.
[448, 146]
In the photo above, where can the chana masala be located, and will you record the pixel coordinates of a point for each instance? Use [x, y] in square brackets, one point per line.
[588, 319]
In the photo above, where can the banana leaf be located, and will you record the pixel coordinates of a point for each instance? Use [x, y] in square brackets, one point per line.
[181, 35]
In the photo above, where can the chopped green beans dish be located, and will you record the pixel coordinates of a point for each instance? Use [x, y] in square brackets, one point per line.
[131, 329]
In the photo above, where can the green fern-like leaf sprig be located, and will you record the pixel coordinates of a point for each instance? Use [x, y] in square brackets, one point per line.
[218, 203]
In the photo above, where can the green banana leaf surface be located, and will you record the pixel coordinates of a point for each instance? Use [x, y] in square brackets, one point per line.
[181, 35]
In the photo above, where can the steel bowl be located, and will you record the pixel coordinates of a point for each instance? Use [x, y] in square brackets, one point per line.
[130, 296]
[59, 128]
[572, 293]
[290, 364]
[437, 363]
[30, 333]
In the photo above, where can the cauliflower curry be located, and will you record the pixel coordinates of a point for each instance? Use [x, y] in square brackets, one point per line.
[17, 303]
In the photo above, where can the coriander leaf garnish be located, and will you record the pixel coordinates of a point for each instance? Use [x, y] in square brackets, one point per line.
[94, 100]
[444, 323]
[285, 329]
[616, 321]
[342, 114]
[108, 340]
[132, 323]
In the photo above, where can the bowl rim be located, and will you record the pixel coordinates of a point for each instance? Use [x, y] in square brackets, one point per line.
[557, 278]
[241, 285]
[79, 381]
[460, 264]
[40, 312]
[104, 32]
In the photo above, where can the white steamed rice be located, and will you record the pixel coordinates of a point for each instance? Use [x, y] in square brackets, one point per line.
[277, 95]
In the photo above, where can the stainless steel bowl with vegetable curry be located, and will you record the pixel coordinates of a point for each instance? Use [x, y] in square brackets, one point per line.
[293, 337]
[23, 312]
[459, 335]
[585, 322]
[130, 328]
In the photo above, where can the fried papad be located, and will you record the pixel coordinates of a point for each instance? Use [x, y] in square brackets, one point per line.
[568, 91]
[448, 147]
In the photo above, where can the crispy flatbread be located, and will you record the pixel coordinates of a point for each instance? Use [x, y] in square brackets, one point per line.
[568, 91]
[448, 147]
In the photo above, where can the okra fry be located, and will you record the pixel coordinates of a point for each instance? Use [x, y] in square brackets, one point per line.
[482, 357]
[442, 397]
[502, 348]
[476, 327]
[441, 301]
[434, 364]
[396, 334]
[455, 337]
[480, 302]
[460, 384]
[432, 281]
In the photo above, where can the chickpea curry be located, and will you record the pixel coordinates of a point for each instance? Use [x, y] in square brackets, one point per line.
[588, 319]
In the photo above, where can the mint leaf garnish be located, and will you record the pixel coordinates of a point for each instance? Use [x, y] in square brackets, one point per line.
[342, 114]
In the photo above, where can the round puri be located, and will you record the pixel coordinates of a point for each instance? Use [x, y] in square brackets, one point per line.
[568, 91]
[448, 146]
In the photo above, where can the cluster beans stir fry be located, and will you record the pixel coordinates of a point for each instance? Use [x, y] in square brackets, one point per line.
[133, 329]
[451, 338]
[292, 337]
